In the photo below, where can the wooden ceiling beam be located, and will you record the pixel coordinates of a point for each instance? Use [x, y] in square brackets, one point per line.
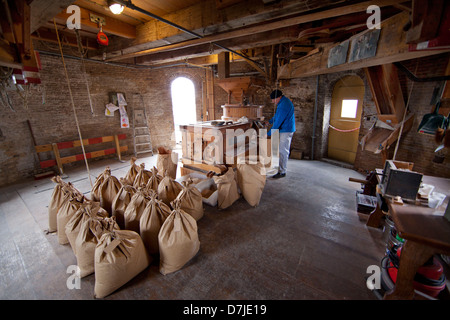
[138, 50]
[112, 25]
[256, 40]
[44, 34]
[206, 19]
[43, 11]
[425, 20]
[391, 47]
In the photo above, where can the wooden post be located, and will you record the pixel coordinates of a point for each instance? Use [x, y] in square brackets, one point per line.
[116, 140]
[58, 158]
[223, 65]
[413, 256]
[210, 94]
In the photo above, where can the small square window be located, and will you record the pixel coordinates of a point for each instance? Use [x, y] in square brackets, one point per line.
[349, 108]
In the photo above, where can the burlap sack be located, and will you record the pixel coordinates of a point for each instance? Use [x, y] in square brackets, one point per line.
[135, 208]
[67, 210]
[142, 177]
[132, 172]
[119, 256]
[95, 192]
[108, 190]
[167, 162]
[178, 241]
[190, 199]
[86, 210]
[227, 188]
[251, 182]
[168, 189]
[59, 195]
[91, 230]
[121, 201]
[154, 180]
[153, 217]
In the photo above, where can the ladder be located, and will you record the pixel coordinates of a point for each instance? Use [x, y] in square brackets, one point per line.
[141, 132]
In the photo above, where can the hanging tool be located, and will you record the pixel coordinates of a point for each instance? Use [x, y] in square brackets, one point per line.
[102, 39]
[80, 50]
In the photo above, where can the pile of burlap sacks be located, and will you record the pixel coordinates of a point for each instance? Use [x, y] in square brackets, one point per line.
[129, 222]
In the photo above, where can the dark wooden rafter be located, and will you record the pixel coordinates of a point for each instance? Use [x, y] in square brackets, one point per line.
[391, 47]
[16, 45]
[156, 45]
[425, 20]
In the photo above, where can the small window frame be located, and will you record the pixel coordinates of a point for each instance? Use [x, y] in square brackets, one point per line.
[346, 112]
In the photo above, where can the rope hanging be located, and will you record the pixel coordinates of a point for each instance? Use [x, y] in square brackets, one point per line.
[341, 130]
[80, 50]
[73, 103]
[404, 115]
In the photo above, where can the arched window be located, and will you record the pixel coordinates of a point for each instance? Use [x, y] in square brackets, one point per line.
[183, 104]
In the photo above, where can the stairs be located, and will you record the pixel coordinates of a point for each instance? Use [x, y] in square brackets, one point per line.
[141, 132]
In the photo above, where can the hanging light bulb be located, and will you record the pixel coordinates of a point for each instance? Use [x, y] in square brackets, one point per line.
[115, 8]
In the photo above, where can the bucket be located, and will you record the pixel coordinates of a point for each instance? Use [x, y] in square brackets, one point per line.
[431, 287]
[393, 239]
[392, 242]
[429, 278]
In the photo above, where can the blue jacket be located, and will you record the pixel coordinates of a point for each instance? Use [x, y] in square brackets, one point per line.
[284, 119]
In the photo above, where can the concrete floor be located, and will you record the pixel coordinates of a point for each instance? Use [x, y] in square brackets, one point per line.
[303, 241]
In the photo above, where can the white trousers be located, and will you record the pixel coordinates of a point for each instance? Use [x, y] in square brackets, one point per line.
[285, 146]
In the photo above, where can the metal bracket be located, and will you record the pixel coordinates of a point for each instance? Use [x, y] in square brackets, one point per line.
[97, 19]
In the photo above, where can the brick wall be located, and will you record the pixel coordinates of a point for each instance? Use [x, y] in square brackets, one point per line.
[49, 110]
[50, 113]
[413, 147]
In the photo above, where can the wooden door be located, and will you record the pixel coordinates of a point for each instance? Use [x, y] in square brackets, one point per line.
[345, 119]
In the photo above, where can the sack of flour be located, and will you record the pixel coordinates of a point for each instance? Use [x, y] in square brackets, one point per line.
[67, 210]
[191, 200]
[132, 172]
[108, 190]
[168, 189]
[227, 188]
[91, 230]
[167, 162]
[86, 210]
[154, 180]
[95, 192]
[151, 221]
[251, 180]
[121, 201]
[120, 255]
[59, 195]
[178, 240]
[135, 208]
[142, 177]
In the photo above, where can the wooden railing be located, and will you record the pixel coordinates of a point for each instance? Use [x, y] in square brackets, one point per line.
[60, 161]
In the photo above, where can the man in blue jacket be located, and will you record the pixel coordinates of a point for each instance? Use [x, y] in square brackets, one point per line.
[284, 121]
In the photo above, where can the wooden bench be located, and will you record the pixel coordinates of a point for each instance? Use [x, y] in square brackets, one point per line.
[60, 161]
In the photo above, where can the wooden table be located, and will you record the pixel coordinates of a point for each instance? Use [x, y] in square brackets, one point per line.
[426, 232]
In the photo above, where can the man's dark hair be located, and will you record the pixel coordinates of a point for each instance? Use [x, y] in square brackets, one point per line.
[276, 94]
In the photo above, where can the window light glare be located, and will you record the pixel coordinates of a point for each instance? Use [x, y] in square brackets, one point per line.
[349, 108]
[116, 8]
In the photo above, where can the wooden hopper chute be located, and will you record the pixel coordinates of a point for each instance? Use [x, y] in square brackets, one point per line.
[392, 120]
[381, 136]
[241, 89]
